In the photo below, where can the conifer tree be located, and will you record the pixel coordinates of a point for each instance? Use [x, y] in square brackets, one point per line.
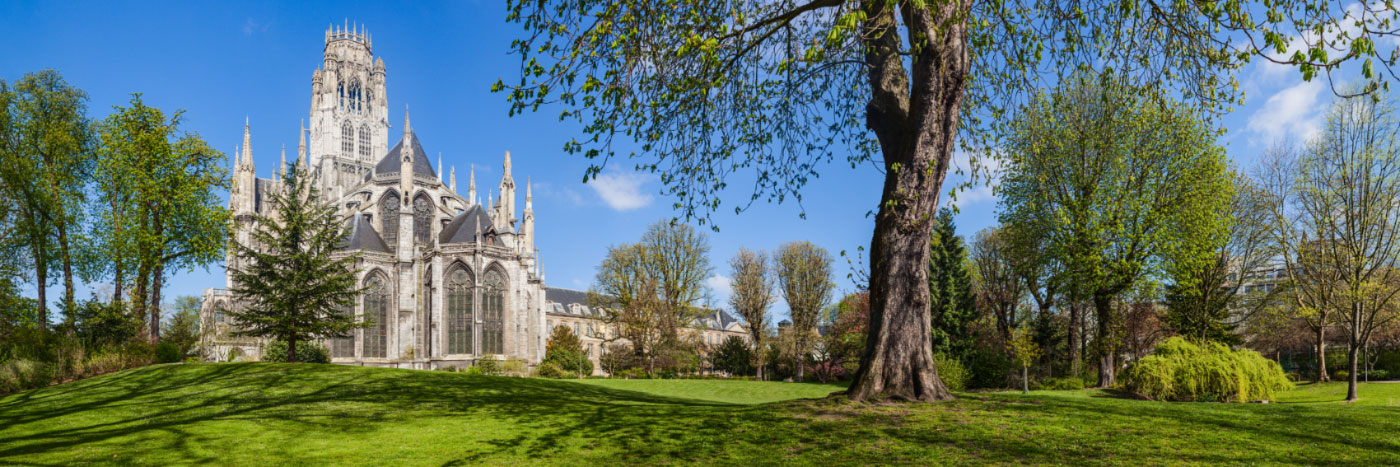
[291, 287]
[950, 287]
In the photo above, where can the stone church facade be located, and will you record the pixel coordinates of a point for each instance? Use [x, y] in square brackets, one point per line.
[449, 279]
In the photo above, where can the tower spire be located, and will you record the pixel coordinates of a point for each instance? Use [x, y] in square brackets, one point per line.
[247, 143]
[282, 169]
[529, 197]
[406, 164]
[301, 144]
[452, 184]
[471, 189]
[439, 166]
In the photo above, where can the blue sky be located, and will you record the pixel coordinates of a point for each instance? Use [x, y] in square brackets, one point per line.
[224, 61]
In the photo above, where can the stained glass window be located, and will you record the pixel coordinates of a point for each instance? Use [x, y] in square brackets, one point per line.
[459, 312]
[493, 310]
[344, 347]
[422, 219]
[389, 218]
[364, 141]
[377, 312]
[347, 140]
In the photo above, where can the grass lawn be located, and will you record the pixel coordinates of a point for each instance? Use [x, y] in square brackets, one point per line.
[259, 414]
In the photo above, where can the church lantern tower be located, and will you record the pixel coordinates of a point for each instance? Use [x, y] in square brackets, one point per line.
[349, 121]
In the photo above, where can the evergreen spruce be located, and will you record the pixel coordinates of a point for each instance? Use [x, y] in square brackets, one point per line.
[292, 287]
[950, 288]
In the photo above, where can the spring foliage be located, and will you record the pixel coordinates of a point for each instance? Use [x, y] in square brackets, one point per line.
[1181, 370]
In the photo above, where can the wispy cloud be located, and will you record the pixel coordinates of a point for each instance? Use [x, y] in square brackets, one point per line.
[722, 288]
[250, 26]
[1294, 112]
[621, 191]
[985, 173]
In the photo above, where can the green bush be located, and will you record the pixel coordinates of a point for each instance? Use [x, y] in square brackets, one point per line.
[488, 366]
[515, 367]
[307, 352]
[550, 370]
[474, 371]
[988, 368]
[951, 371]
[1379, 375]
[1180, 370]
[1340, 375]
[167, 352]
[1067, 383]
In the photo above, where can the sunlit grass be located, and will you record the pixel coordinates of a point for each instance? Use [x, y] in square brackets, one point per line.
[260, 414]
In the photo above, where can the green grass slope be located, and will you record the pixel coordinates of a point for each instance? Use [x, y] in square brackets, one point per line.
[260, 414]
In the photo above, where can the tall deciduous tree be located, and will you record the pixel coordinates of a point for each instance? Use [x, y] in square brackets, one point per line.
[804, 274]
[292, 286]
[774, 88]
[1349, 192]
[999, 286]
[1207, 299]
[44, 173]
[1313, 285]
[159, 209]
[1125, 180]
[649, 290]
[751, 281]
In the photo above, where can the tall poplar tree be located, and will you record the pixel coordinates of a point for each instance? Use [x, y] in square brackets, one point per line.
[291, 286]
[804, 274]
[751, 278]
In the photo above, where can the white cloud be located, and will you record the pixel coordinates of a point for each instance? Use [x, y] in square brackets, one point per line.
[1294, 112]
[985, 173]
[622, 191]
[721, 286]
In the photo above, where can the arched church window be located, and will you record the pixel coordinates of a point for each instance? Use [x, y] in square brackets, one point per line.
[344, 347]
[354, 96]
[364, 141]
[340, 93]
[377, 312]
[459, 312]
[493, 311]
[422, 219]
[389, 217]
[347, 140]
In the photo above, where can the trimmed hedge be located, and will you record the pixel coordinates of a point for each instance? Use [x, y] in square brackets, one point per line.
[1180, 370]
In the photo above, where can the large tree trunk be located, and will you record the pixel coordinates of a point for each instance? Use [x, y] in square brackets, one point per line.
[916, 123]
[67, 259]
[1351, 376]
[292, 349]
[1103, 311]
[155, 302]
[1322, 355]
[41, 274]
[1076, 365]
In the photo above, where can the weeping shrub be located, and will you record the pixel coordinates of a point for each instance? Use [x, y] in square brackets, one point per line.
[1180, 370]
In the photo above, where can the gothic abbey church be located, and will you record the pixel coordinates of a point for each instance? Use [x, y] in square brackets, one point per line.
[449, 277]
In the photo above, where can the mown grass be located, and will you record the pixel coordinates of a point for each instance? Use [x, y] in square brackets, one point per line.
[259, 414]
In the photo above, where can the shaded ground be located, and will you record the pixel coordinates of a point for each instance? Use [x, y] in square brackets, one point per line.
[256, 414]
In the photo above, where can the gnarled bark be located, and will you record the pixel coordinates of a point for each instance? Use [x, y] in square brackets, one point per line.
[915, 118]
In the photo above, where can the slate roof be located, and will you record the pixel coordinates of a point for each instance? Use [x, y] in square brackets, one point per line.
[363, 237]
[421, 166]
[562, 302]
[462, 229]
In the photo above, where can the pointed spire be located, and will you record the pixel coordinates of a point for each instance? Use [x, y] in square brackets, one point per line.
[471, 189]
[282, 170]
[529, 197]
[247, 144]
[507, 175]
[439, 166]
[301, 141]
[478, 229]
[452, 183]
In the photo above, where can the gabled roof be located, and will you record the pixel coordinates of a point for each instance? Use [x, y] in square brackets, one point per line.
[462, 229]
[363, 237]
[566, 297]
[421, 166]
